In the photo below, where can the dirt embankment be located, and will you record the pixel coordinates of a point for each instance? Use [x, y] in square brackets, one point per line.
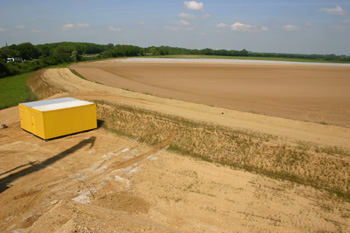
[101, 182]
[62, 80]
[204, 132]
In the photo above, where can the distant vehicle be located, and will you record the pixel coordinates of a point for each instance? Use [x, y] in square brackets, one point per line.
[14, 59]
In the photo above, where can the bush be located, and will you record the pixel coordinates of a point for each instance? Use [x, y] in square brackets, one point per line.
[3, 70]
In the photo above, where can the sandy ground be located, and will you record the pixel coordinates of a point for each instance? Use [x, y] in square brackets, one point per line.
[314, 93]
[100, 182]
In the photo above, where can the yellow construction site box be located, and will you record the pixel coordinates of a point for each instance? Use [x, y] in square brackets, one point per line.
[57, 117]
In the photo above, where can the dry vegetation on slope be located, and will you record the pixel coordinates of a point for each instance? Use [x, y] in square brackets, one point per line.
[305, 163]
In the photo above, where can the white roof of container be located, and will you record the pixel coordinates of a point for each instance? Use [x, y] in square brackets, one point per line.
[56, 104]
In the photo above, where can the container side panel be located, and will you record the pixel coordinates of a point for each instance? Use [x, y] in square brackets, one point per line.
[25, 117]
[38, 124]
[22, 118]
[67, 121]
[34, 123]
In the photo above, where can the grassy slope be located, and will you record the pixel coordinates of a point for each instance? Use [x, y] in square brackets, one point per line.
[13, 90]
[244, 58]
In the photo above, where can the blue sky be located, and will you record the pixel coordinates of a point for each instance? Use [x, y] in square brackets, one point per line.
[299, 26]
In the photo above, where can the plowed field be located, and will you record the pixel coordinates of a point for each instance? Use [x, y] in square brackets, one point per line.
[305, 92]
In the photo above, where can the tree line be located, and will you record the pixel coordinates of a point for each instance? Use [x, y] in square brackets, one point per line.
[44, 55]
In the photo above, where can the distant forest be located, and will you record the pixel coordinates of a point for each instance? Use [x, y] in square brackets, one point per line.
[44, 55]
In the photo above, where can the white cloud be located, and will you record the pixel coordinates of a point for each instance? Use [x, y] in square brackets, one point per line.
[186, 16]
[240, 27]
[308, 24]
[222, 25]
[346, 21]
[3, 29]
[193, 5]
[36, 31]
[291, 27]
[114, 29]
[206, 16]
[82, 25]
[184, 23]
[264, 29]
[335, 11]
[20, 27]
[67, 26]
[142, 23]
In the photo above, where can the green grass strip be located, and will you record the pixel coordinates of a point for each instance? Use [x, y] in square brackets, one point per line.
[13, 90]
[77, 73]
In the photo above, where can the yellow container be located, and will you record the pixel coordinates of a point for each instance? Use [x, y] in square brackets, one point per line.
[57, 117]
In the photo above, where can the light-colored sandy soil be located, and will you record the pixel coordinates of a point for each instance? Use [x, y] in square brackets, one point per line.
[100, 182]
[311, 93]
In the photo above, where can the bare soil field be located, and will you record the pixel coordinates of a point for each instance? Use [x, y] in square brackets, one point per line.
[165, 165]
[314, 93]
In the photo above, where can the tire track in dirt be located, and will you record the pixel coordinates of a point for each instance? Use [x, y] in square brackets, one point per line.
[95, 178]
[141, 157]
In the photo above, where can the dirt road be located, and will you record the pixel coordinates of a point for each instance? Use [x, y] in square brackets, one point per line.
[312, 93]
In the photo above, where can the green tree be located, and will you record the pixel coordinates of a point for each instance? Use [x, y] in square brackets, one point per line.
[243, 53]
[61, 54]
[5, 53]
[110, 46]
[28, 51]
[74, 55]
[3, 70]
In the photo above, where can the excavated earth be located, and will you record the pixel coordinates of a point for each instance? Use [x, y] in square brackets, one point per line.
[136, 174]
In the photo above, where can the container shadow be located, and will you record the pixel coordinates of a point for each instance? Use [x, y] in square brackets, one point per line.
[100, 123]
[35, 167]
